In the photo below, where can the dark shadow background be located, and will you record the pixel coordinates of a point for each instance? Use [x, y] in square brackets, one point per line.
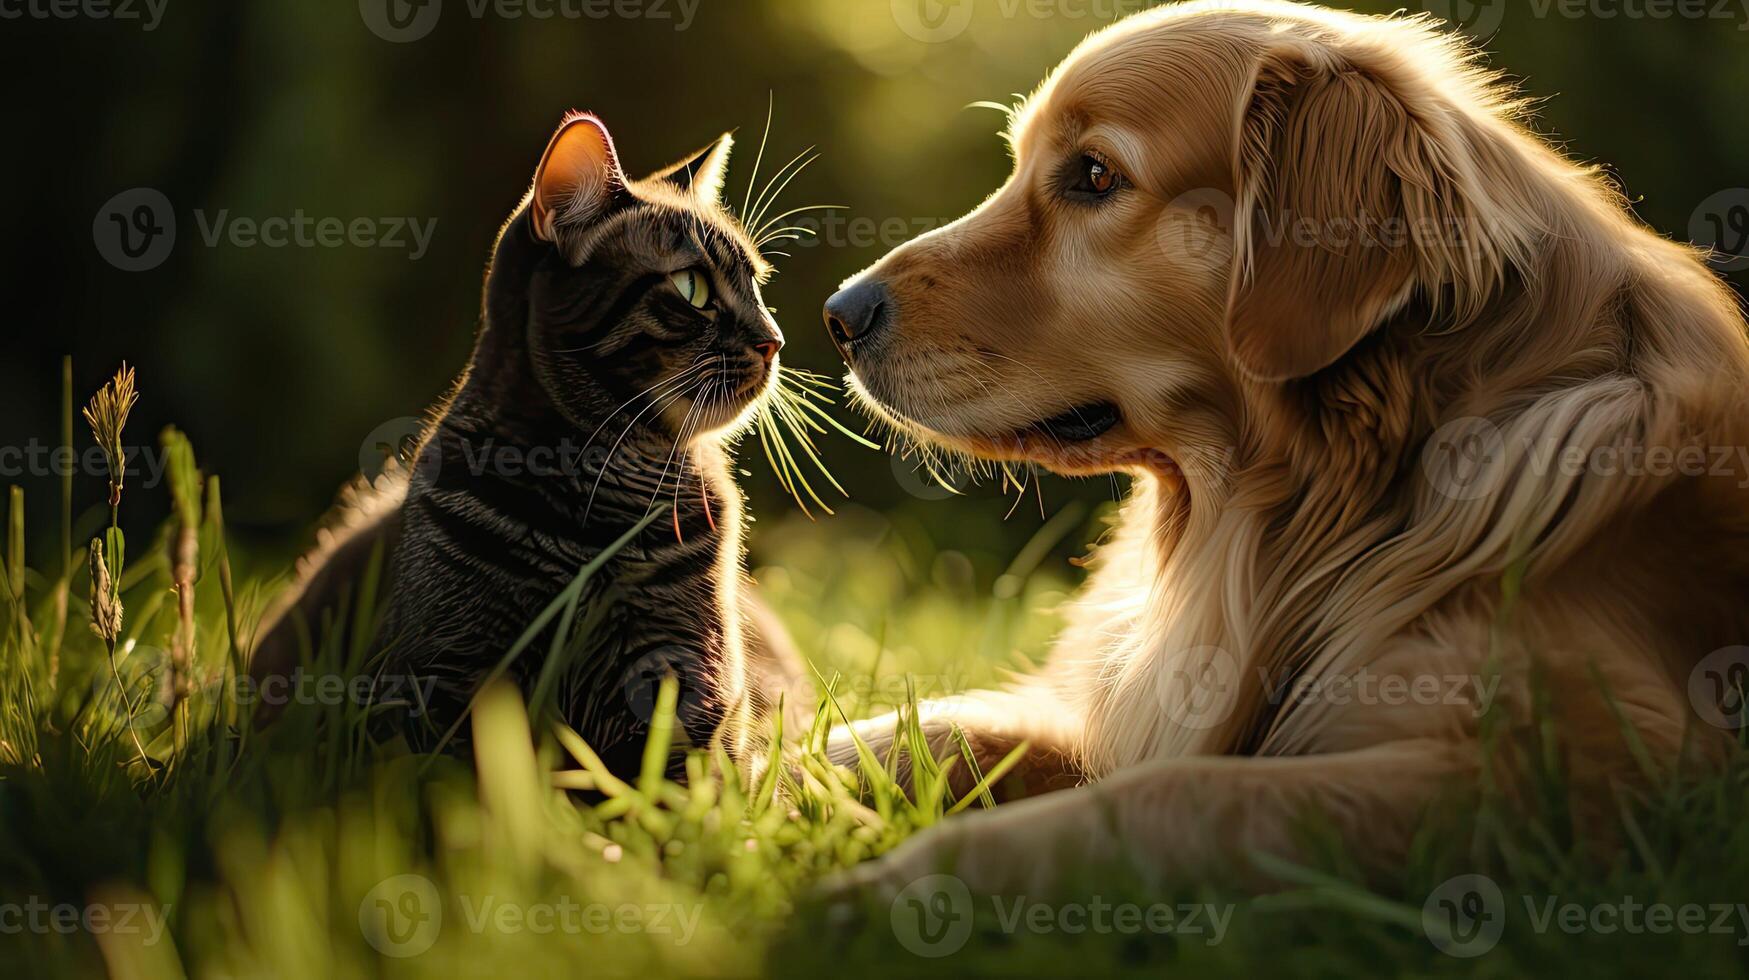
[279, 361]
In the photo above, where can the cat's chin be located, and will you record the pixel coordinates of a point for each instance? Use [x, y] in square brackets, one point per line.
[713, 421]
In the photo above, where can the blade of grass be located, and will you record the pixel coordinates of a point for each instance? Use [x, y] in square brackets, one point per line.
[64, 588]
[15, 569]
[559, 654]
[605, 781]
[216, 513]
[981, 791]
[866, 759]
[767, 790]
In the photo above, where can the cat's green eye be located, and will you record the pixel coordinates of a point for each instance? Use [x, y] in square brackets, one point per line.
[693, 286]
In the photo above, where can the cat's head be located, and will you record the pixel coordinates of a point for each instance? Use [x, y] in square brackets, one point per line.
[643, 303]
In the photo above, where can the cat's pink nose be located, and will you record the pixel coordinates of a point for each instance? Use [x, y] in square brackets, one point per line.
[768, 349]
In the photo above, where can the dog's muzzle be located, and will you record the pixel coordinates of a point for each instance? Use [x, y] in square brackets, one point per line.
[857, 314]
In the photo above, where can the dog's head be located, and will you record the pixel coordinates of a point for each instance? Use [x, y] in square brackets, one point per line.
[1206, 200]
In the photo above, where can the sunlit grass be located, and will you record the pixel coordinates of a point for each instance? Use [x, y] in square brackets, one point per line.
[283, 851]
[263, 845]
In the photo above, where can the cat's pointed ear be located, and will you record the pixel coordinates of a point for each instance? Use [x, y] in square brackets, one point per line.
[578, 177]
[701, 174]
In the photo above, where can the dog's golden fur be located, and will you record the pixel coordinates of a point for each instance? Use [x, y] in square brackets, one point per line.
[1407, 270]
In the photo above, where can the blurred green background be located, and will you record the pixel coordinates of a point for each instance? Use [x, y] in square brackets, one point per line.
[279, 361]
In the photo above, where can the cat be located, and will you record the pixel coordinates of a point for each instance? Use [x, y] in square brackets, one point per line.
[624, 338]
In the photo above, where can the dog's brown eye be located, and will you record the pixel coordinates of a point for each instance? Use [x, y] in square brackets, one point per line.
[1093, 179]
[1100, 178]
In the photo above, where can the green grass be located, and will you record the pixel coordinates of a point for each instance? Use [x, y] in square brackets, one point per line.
[262, 849]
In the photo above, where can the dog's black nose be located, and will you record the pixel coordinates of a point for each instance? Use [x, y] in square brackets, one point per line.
[856, 313]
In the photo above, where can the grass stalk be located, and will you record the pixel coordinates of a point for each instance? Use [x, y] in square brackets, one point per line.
[215, 512]
[64, 585]
[107, 414]
[15, 569]
[184, 554]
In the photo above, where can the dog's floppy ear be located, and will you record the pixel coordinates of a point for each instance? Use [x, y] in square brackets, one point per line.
[1346, 199]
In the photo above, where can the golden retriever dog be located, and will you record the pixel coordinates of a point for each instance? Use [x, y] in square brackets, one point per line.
[1435, 448]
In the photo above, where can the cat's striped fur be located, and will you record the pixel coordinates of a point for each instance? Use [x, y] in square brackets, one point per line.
[598, 394]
